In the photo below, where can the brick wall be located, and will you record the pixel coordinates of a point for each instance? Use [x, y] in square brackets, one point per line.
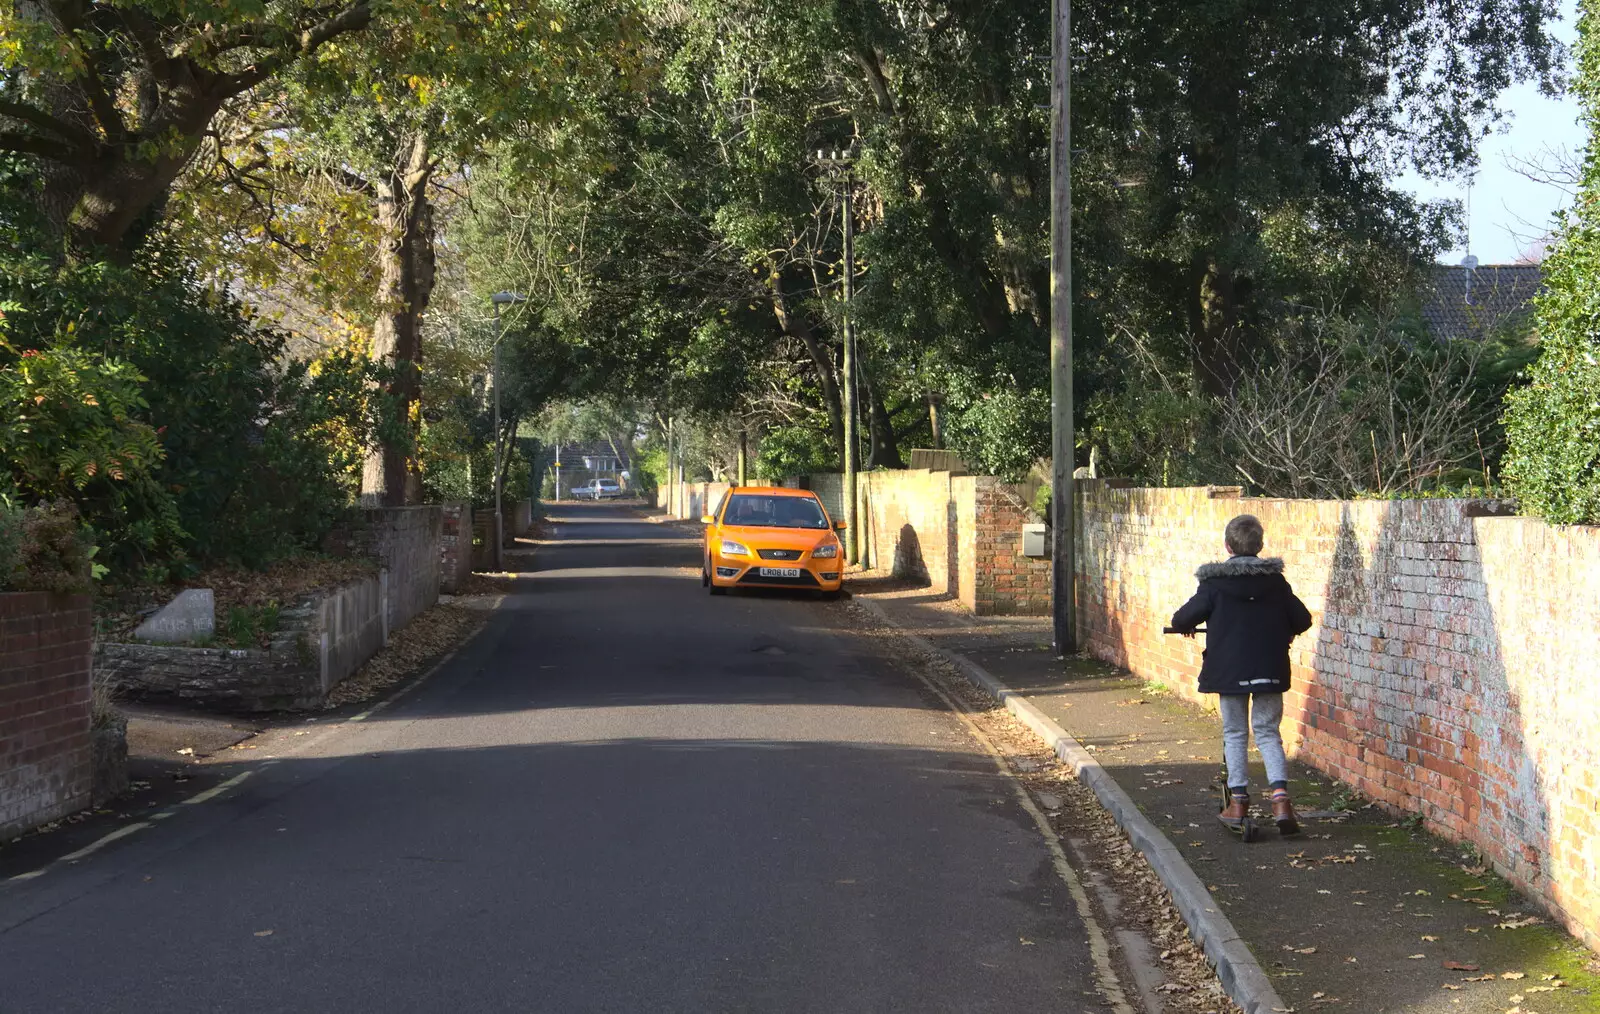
[904, 525]
[1005, 581]
[1445, 675]
[455, 546]
[46, 767]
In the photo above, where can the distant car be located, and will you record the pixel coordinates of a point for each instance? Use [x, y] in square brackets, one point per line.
[600, 489]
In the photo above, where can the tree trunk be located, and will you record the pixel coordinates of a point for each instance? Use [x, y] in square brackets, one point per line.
[796, 326]
[883, 448]
[936, 420]
[405, 284]
[1216, 296]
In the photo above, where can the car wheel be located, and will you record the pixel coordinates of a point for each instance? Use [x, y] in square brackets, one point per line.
[832, 596]
[705, 576]
[714, 589]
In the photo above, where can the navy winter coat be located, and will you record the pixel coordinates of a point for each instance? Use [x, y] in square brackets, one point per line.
[1251, 616]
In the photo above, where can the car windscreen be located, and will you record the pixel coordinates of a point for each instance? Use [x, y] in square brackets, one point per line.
[756, 511]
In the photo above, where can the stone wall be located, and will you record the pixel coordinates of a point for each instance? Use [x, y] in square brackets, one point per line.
[319, 643]
[455, 546]
[521, 520]
[405, 541]
[46, 768]
[1450, 672]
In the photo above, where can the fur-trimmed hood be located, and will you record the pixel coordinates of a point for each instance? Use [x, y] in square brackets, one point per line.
[1241, 566]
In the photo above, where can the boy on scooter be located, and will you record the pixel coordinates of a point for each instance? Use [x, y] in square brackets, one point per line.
[1251, 616]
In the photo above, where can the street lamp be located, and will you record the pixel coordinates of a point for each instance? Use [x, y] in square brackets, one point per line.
[499, 299]
[846, 160]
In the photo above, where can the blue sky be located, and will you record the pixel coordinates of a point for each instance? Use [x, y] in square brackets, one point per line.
[1509, 211]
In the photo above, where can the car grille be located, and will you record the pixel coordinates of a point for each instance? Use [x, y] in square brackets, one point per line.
[805, 580]
[780, 554]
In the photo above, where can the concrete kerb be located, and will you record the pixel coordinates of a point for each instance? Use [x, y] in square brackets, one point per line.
[1237, 969]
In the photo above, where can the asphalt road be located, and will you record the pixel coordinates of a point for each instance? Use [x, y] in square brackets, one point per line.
[625, 795]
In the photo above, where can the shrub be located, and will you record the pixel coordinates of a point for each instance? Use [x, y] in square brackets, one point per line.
[1552, 462]
[45, 548]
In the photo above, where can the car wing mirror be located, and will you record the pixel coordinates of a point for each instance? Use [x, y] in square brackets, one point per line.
[840, 526]
[706, 519]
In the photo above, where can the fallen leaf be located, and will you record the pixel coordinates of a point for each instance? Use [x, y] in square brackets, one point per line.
[1025, 941]
[1449, 985]
[1430, 939]
[1459, 966]
[1318, 995]
[263, 933]
[1513, 975]
[1305, 950]
[1479, 978]
[187, 751]
[1474, 929]
[1415, 957]
[1516, 998]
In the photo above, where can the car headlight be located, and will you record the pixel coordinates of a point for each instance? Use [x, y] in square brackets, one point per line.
[827, 552]
[732, 548]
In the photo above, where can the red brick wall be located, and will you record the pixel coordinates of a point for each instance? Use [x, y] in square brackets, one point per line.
[1005, 581]
[1451, 671]
[45, 766]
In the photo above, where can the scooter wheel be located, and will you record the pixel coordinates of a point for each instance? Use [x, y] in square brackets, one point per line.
[1247, 830]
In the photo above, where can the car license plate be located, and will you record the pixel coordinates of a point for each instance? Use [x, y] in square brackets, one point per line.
[780, 571]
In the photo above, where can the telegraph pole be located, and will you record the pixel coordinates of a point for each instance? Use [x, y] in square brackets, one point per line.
[1062, 500]
[852, 453]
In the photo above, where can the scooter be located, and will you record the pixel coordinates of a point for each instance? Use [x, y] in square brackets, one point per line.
[1246, 828]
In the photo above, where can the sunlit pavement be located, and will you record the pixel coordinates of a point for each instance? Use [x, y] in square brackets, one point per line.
[624, 795]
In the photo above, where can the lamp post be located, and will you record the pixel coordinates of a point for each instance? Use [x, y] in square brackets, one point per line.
[1062, 500]
[499, 299]
[846, 160]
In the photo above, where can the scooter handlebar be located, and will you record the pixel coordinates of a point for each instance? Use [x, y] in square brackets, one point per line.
[1175, 630]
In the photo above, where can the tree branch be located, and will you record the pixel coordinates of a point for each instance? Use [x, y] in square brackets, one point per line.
[33, 144]
[74, 136]
[352, 19]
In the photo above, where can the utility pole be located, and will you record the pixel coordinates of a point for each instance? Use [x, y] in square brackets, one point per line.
[1062, 500]
[498, 299]
[846, 160]
[744, 455]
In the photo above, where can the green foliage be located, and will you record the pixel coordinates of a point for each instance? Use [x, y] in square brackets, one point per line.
[249, 626]
[256, 449]
[45, 548]
[1552, 424]
[66, 422]
[1003, 433]
[793, 450]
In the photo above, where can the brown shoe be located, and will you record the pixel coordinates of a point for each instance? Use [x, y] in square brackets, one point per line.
[1235, 811]
[1283, 814]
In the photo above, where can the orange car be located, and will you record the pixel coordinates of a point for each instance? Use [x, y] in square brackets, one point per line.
[772, 538]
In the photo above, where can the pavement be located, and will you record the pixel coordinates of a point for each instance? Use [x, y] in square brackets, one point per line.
[622, 795]
[1362, 912]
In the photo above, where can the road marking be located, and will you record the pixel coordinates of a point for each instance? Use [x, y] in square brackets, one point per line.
[1105, 973]
[217, 790]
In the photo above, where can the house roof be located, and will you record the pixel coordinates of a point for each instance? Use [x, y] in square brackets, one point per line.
[1471, 302]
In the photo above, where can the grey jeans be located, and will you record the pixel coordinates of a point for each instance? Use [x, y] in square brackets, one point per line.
[1240, 714]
